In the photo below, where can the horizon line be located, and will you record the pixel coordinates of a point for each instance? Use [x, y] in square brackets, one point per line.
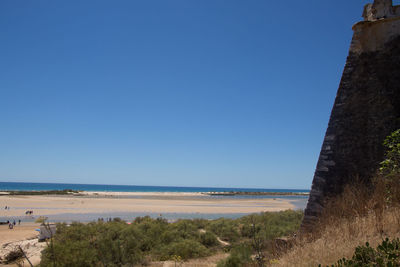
[170, 186]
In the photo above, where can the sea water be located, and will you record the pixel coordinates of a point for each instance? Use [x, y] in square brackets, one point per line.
[132, 188]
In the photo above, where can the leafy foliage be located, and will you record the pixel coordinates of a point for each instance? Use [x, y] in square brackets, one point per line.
[226, 229]
[117, 243]
[44, 192]
[390, 169]
[256, 232]
[386, 254]
[240, 255]
[391, 164]
[272, 224]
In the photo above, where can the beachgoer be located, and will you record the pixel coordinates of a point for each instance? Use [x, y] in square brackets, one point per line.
[10, 226]
[14, 223]
[19, 222]
[5, 208]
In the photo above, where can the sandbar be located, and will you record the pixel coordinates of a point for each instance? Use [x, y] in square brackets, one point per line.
[136, 202]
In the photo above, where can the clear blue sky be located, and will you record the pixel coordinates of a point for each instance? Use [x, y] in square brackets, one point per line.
[180, 92]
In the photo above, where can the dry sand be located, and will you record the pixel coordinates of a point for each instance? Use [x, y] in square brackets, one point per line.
[23, 235]
[20, 232]
[137, 202]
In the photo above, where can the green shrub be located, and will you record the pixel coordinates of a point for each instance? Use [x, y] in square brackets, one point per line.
[186, 249]
[208, 239]
[226, 229]
[200, 223]
[240, 255]
[185, 228]
[386, 254]
[119, 244]
[391, 164]
[271, 224]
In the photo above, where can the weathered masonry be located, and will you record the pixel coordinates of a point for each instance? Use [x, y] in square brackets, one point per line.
[366, 108]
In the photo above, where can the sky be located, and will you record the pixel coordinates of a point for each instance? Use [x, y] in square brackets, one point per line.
[221, 93]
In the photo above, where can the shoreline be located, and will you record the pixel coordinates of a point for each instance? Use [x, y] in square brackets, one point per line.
[131, 204]
[69, 192]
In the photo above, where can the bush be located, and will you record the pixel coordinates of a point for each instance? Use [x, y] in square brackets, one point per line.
[271, 224]
[186, 249]
[386, 254]
[117, 243]
[226, 229]
[391, 164]
[240, 255]
[110, 244]
[208, 239]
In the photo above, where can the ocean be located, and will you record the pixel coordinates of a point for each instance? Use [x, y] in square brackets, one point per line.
[132, 188]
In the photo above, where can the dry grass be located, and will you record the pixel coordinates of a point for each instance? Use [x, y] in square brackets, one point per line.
[340, 240]
[201, 262]
[362, 213]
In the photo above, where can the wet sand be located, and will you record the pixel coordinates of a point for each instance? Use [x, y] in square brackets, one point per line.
[115, 202]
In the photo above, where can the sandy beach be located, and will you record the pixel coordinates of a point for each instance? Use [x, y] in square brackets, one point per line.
[87, 205]
[128, 202]
[23, 235]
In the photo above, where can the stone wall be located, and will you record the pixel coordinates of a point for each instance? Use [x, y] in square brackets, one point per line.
[366, 110]
[396, 10]
[371, 36]
[380, 9]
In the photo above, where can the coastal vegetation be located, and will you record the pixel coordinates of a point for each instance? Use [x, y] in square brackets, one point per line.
[386, 254]
[118, 243]
[40, 192]
[360, 227]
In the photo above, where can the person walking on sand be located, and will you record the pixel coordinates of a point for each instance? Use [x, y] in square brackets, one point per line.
[19, 222]
[14, 223]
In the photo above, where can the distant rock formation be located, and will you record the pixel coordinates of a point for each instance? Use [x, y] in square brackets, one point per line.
[366, 109]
